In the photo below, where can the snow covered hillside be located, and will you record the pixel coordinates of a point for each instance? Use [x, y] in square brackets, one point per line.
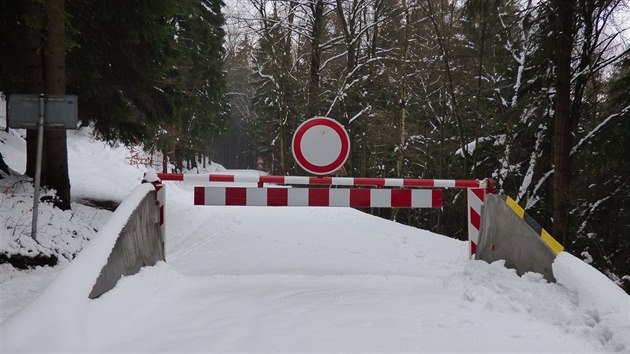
[241, 279]
[61, 234]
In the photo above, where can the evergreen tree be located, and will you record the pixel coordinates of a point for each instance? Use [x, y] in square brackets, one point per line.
[10, 78]
[204, 106]
[119, 63]
[602, 205]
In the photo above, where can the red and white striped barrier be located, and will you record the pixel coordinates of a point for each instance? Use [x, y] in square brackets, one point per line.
[325, 181]
[339, 197]
[476, 199]
[319, 197]
[160, 202]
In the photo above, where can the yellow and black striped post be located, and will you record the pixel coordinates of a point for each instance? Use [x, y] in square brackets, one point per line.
[553, 245]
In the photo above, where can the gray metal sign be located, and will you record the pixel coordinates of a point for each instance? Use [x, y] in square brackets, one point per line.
[61, 111]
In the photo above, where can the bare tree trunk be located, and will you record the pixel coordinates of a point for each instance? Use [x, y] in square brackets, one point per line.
[56, 148]
[285, 63]
[32, 70]
[441, 38]
[283, 166]
[43, 70]
[348, 28]
[403, 94]
[562, 120]
[317, 8]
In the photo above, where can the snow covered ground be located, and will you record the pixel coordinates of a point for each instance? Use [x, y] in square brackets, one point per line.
[255, 279]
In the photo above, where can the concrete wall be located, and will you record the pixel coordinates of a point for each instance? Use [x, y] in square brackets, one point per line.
[139, 244]
[505, 234]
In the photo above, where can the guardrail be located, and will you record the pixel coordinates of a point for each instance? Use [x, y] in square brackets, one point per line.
[139, 243]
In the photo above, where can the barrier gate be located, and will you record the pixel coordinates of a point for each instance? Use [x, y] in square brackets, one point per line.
[353, 192]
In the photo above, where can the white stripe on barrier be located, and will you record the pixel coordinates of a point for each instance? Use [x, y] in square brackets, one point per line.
[296, 180]
[246, 179]
[444, 183]
[340, 198]
[343, 181]
[256, 196]
[382, 198]
[195, 178]
[297, 196]
[394, 182]
[214, 194]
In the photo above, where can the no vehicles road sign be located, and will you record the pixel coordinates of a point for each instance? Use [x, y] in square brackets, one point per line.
[320, 145]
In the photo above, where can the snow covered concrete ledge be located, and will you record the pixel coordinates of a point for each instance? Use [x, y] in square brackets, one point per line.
[63, 304]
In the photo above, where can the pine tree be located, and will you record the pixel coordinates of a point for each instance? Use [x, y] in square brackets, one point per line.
[201, 90]
[119, 61]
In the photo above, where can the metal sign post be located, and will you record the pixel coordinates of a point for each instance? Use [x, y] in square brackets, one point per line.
[38, 164]
[44, 112]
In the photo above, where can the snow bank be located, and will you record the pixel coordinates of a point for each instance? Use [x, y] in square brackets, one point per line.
[99, 170]
[13, 150]
[59, 233]
[63, 303]
[602, 305]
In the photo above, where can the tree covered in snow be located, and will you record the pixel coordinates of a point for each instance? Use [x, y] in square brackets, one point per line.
[451, 89]
[146, 72]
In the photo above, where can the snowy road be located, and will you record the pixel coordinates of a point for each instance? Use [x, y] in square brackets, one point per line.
[297, 279]
[321, 280]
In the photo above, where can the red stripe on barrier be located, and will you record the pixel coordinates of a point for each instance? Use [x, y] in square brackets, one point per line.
[200, 196]
[171, 176]
[271, 179]
[480, 193]
[277, 196]
[162, 216]
[221, 178]
[369, 182]
[490, 186]
[465, 183]
[473, 248]
[359, 198]
[324, 181]
[235, 196]
[418, 183]
[475, 219]
[436, 198]
[318, 197]
[401, 198]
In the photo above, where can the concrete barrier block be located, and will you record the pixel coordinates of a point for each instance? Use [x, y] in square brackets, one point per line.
[139, 244]
[506, 234]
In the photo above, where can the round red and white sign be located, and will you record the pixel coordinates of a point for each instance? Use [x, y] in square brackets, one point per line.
[320, 145]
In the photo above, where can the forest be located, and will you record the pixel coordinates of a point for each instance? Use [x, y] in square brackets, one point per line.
[534, 94]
